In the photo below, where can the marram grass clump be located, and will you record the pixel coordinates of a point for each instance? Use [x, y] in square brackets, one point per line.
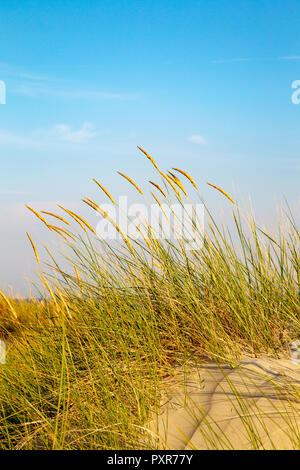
[84, 365]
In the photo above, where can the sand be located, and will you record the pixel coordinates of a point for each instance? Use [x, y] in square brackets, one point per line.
[255, 405]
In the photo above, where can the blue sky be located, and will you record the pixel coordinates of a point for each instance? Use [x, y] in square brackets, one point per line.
[202, 85]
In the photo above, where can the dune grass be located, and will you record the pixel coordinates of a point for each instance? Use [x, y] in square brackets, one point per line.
[84, 365]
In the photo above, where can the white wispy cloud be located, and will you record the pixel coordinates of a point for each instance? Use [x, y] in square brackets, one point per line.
[7, 137]
[65, 132]
[14, 72]
[32, 84]
[13, 193]
[37, 89]
[290, 57]
[55, 134]
[232, 60]
[197, 139]
[257, 59]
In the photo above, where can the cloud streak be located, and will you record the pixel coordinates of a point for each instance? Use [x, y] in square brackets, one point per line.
[36, 90]
[37, 85]
[64, 132]
[58, 133]
[290, 57]
[230, 61]
[252, 59]
[196, 139]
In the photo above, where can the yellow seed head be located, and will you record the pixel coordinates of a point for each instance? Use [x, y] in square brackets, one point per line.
[104, 190]
[56, 216]
[159, 188]
[178, 182]
[157, 200]
[222, 191]
[184, 173]
[171, 184]
[92, 202]
[9, 304]
[77, 274]
[37, 215]
[149, 157]
[80, 220]
[59, 229]
[131, 181]
[33, 247]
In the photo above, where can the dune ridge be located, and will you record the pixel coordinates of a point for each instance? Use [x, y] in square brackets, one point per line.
[254, 405]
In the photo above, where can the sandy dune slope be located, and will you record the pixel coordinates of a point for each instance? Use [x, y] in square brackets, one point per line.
[255, 405]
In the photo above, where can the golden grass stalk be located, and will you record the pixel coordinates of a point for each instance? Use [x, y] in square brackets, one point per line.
[160, 205]
[101, 211]
[56, 216]
[49, 289]
[156, 199]
[85, 223]
[94, 206]
[171, 184]
[63, 236]
[38, 215]
[33, 247]
[59, 229]
[222, 191]
[178, 182]
[131, 181]
[145, 239]
[80, 220]
[149, 157]
[184, 173]
[91, 201]
[9, 304]
[153, 240]
[159, 188]
[174, 176]
[61, 297]
[105, 191]
[77, 274]
[104, 214]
